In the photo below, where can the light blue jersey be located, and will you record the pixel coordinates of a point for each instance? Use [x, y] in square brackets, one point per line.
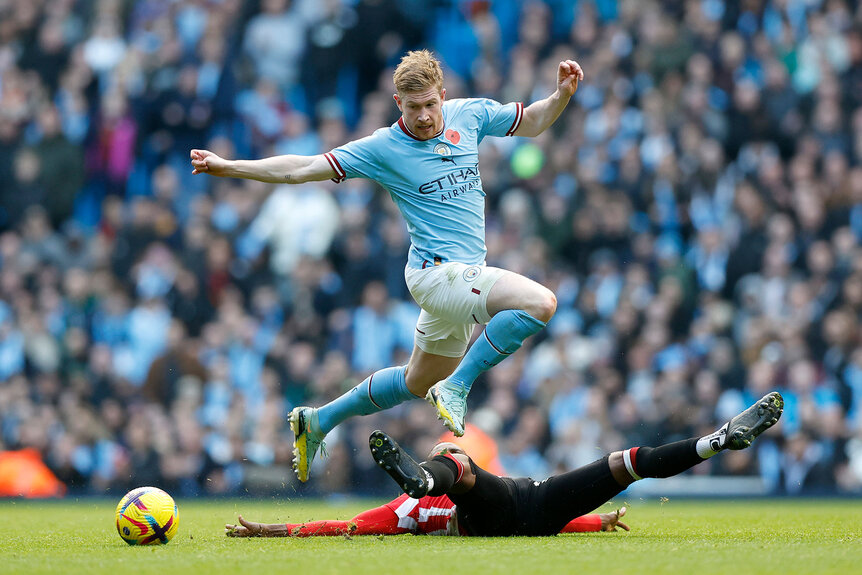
[435, 183]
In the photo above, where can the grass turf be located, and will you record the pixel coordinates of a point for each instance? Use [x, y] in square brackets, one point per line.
[676, 536]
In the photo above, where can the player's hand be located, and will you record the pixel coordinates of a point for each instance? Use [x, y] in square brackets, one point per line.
[568, 75]
[206, 162]
[249, 529]
[610, 521]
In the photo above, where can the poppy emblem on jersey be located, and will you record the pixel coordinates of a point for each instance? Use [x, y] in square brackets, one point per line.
[472, 273]
[442, 149]
[453, 136]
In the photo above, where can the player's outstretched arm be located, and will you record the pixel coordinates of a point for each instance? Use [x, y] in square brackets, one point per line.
[378, 521]
[597, 522]
[255, 529]
[539, 116]
[287, 169]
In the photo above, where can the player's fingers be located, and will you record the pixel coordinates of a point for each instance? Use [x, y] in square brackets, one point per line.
[621, 511]
[623, 525]
[253, 528]
[576, 69]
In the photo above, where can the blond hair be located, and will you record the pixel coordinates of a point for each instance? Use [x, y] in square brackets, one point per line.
[418, 71]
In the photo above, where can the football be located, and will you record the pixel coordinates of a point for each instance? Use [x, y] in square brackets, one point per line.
[147, 516]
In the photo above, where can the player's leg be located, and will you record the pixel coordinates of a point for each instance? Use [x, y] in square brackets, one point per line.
[674, 458]
[517, 307]
[485, 502]
[381, 390]
[444, 473]
[572, 494]
[387, 388]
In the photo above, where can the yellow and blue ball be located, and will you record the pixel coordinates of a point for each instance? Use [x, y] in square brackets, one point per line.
[147, 516]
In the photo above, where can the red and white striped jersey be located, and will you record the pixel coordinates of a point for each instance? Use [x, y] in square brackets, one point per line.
[425, 516]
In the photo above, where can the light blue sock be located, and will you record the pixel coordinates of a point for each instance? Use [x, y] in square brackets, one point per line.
[380, 390]
[503, 335]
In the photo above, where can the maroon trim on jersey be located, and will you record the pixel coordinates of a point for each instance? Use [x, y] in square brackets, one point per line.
[475, 291]
[633, 452]
[340, 174]
[407, 131]
[519, 115]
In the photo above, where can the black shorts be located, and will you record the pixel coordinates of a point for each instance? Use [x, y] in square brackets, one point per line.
[502, 506]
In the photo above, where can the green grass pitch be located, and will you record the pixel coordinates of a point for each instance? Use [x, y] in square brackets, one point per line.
[674, 536]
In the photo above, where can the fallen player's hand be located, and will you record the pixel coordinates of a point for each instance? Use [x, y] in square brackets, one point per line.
[250, 529]
[610, 521]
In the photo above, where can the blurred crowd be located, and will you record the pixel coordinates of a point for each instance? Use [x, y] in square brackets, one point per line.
[697, 210]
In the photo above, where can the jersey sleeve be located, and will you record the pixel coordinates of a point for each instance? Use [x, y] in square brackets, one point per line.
[356, 159]
[496, 119]
[584, 524]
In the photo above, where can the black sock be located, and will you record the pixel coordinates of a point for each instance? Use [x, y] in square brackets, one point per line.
[666, 460]
[444, 471]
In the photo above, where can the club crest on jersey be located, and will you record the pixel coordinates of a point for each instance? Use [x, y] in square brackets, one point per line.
[471, 273]
[443, 149]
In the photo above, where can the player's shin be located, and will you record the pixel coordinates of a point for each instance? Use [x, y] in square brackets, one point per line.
[503, 336]
[663, 461]
[674, 458]
[444, 472]
[381, 390]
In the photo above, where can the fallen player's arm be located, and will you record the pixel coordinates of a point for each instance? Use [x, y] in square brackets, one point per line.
[287, 169]
[254, 529]
[378, 521]
[539, 116]
[597, 522]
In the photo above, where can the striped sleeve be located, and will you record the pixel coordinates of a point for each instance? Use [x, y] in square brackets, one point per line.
[496, 119]
[358, 159]
[340, 176]
[517, 121]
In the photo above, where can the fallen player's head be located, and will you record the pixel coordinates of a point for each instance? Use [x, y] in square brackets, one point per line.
[445, 447]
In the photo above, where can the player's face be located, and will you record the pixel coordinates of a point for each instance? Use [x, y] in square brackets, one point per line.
[422, 111]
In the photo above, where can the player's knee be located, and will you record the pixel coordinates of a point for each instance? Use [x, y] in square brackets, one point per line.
[545, 306]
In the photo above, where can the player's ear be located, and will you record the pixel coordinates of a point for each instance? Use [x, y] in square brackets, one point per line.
[443, 94]
[397, 101]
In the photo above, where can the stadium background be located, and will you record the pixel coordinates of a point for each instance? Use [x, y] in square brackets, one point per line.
[697, 210]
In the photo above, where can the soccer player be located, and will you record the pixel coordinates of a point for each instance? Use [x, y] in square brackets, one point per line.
[424, 516]
[428, 161]
[489, 505]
